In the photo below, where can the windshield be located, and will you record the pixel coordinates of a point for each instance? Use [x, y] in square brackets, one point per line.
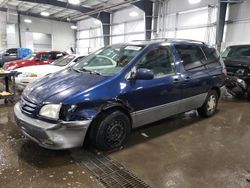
[110, 60]
[237, 52]
[29, 57]
[63, 61]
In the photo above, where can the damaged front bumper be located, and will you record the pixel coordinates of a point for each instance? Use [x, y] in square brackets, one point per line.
[62, 135]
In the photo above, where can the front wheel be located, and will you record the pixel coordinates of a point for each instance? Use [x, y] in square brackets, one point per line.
[110, 130]
[209, 107]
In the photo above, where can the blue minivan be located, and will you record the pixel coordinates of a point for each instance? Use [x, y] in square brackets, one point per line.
[119, 88]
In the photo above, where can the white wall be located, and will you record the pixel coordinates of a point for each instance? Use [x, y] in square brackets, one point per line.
[238, 31]
[63, 36]
[175, 6]
[89, 36]
[125, 28]
[179, 19]
[3, 36]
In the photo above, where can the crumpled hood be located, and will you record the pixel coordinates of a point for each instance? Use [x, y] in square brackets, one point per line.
[239, 62]
[61, 85]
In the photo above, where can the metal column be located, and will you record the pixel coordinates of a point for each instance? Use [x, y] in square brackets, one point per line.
[220, 23]
[147, 7]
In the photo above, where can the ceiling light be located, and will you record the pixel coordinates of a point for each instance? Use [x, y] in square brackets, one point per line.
[97, 22]
[46, 14]
[27, 21]
[194, 1]
[133, 14]
[73, 27]
[74, 2]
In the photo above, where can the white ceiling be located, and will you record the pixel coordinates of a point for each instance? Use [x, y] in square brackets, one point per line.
[62, 13]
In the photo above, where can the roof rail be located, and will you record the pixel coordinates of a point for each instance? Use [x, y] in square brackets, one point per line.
[171, 39]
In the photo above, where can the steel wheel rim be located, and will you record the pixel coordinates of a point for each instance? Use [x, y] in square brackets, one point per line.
[115, 132]
[211, 104]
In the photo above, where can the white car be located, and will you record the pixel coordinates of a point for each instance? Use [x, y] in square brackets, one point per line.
[31, 73]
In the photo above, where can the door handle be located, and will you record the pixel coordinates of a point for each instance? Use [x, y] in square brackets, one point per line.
[176, 80]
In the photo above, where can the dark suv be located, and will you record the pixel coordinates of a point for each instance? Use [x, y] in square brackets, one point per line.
[118, 88]
[237, 61]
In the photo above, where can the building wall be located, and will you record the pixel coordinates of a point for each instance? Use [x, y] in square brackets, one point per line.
[237, 30]
[63, 37]
[179, 19]
[3, 34]
[124, 28]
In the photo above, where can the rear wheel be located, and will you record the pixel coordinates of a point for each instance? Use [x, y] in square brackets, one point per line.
[110, 130]
[209, 107]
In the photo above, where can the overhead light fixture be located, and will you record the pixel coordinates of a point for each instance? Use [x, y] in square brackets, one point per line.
[97, 22]
[46, 14]
[73, 27]
[133, 14]
[74, 2]
[27, 21]
[194, 1]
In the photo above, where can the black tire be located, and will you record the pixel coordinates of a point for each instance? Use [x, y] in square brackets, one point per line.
[248, 93]
[110, 130]
[208, 108]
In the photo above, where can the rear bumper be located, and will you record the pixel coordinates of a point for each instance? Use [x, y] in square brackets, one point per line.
[63, 135]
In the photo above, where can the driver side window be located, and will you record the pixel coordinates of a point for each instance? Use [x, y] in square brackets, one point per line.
[159, 60]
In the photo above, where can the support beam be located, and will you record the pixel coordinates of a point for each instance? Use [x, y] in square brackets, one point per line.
[61, 4]
[104, 17]
[19, 31]
[147, 7]
[221, 15]
[37, 16]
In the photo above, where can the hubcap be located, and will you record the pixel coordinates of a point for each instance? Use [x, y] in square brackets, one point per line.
[211, 103]
[115, 132]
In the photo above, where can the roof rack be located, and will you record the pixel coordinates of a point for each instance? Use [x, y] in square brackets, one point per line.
[170, 39]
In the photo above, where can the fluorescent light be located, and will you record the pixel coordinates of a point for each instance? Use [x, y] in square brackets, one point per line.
[74, 2]
[194, 1]
[133, 14]
[97, 22]
[46, 14]
[73, 27]
[27, 21]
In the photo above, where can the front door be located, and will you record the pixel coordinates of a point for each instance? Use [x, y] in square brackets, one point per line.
[158, 98]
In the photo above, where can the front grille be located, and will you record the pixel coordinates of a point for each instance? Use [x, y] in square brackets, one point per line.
[236, 71]
[28, 107]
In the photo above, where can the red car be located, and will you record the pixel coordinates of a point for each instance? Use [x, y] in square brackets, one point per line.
[39, 58]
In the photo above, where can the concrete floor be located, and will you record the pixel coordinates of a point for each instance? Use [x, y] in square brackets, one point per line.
[183, 151]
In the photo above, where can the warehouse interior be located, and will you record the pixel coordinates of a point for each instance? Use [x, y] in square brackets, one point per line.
[184, 150]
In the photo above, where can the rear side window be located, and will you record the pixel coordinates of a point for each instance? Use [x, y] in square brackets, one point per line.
[192, 56]
[212, 57]
[12, 51]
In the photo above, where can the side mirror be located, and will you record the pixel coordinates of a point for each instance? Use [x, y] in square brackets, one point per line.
[37, 59]
[143, 74]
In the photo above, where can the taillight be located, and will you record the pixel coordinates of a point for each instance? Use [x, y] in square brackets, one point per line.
[225, 71]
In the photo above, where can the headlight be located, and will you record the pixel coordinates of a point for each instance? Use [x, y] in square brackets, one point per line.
[50, 111]
[28, 74]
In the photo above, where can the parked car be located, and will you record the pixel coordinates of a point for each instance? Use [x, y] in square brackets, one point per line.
[39, 58]
[237, 61]
[151, 81]
[13, 54]
[32, 73]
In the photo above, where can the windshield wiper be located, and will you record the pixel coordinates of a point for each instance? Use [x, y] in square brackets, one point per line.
[86, 70]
